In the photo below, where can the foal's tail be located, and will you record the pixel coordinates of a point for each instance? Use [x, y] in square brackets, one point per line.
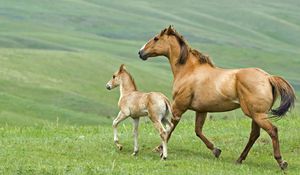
[287, 95]
[168, 105]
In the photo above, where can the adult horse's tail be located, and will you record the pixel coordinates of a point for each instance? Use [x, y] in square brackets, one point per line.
[286, 92]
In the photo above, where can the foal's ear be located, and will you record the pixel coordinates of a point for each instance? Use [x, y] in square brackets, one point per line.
[122, 68]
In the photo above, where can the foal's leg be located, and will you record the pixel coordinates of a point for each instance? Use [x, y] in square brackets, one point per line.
[135, 135]
[262, 120]
[117, 120]
[163, 134]
[177, 113]
[167, 123]
[255, 132]
[199, 122]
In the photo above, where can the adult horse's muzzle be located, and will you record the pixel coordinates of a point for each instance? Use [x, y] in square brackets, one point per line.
[142, 55]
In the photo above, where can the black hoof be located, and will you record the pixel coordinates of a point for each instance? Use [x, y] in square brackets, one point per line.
[238, 162]
[217, 152]
[283, 165]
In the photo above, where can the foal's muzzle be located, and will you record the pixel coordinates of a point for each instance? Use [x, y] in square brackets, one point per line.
[108, 87]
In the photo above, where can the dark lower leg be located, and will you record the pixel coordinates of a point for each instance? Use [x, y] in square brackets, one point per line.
[199, 122]
[255, 132]
[174, 124]
[273, 132]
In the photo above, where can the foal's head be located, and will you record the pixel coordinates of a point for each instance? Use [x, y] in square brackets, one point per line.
[160, 45]
[119, 77]
[115, 81]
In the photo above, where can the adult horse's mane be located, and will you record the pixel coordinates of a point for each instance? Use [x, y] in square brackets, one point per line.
[185, 49]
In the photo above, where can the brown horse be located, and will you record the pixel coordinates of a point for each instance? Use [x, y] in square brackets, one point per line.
[202, 87]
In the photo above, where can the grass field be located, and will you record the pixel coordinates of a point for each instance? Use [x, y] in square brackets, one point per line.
[59, 149]
[56, 57]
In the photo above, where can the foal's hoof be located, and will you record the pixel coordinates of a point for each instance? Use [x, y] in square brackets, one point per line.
[119, 146]
[157, 149]
[217, 152]
[135, 153]
[283, 165]
[162, 157]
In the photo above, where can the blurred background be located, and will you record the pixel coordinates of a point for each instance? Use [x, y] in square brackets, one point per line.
[56, 56]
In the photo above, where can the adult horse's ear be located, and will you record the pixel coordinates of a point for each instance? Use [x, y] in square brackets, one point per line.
[169, 30]
[122, 68]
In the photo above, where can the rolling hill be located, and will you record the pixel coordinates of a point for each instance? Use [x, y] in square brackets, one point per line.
[56, 56]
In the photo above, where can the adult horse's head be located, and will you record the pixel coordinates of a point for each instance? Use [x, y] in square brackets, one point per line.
[163, 43]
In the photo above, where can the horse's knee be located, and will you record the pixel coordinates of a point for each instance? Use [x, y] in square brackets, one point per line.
[114, 124]
[198, 133]
[273, 132]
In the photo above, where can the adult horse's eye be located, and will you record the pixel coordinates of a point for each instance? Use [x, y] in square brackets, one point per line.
[155, 39]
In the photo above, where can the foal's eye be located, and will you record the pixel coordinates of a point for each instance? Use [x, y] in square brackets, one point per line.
[114, 76]
[155, 39]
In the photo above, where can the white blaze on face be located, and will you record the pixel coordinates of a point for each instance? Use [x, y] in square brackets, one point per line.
[142, 48]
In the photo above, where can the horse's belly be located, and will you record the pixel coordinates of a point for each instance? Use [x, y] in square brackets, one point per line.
[215, 107]
[141, 113]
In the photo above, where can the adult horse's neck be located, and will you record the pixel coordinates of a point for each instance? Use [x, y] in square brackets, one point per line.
[127, 84]
[173, 57]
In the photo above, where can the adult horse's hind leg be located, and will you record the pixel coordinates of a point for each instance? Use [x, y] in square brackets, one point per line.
[255, 132]
[262, 120]
[199, 122]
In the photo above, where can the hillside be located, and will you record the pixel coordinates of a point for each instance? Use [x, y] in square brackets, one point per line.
[55, 57]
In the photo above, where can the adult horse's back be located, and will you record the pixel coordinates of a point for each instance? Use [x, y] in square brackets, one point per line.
[200, 86]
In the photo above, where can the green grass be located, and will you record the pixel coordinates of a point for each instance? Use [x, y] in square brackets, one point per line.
[56, 57]
[59, 149]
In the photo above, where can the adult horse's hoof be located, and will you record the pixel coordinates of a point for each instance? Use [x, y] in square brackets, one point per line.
[217, 152]
[283, 165]
[238, 162]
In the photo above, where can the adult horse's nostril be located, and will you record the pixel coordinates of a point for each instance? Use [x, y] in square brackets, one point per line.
[141, 54]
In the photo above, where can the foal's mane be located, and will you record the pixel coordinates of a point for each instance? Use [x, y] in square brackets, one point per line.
[185, 49]
[131, 78]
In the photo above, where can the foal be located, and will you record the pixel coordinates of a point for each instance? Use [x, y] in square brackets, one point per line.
[135, 104]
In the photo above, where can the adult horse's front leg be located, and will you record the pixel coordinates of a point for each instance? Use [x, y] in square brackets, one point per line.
[116, 121]
[199, 122]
